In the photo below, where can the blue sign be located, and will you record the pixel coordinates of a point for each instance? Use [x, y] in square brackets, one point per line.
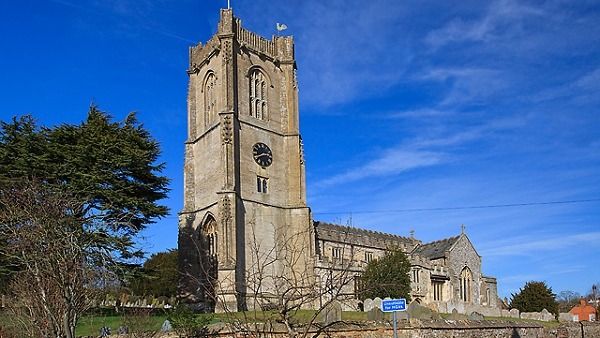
[392, 305]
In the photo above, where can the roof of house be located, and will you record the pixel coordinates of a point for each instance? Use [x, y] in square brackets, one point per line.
[436, 249]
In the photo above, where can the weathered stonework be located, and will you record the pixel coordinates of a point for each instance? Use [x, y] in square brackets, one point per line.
[440, 262]
[221, 173]
[243, 91]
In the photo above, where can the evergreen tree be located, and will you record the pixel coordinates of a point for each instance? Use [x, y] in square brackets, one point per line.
[109, 167]
[534, 297]
[159, 276]
[106, 174]
[388, 276]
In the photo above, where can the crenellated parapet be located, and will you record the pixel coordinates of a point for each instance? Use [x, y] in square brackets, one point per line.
[253, 41]
[199, 54]
[416, 260]
[362, 237]
[279, 49]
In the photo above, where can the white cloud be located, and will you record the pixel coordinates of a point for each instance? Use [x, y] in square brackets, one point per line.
[530, 245]
[468, 85]
[492, 23]
[587, 86]
[391, 162]
[346, 49]
[420, 113]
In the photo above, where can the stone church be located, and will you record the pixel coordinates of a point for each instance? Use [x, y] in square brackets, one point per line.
[245, 228]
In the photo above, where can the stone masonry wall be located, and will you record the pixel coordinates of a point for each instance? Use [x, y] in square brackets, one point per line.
[427, 329]
[453, 329]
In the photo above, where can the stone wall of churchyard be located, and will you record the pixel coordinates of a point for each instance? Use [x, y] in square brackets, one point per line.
[460, 308]
[446, 329]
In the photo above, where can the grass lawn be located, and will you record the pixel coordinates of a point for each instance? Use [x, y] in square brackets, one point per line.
[90, 325]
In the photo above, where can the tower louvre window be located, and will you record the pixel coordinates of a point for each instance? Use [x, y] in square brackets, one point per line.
[258, 94]
[262, 184]
[210, 98]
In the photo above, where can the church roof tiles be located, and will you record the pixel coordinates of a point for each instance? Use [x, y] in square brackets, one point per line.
[435, 249]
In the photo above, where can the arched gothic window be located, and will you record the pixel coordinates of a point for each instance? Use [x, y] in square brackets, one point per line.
[258, 94]
[465, 285]
[210, 98]
[210, 238]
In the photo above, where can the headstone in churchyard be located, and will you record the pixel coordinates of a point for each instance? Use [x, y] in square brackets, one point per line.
[476, 316]
[331, 313]
[565, 317]
[368, 304]
[377, 302]
[514, 313]
[505, 313]
[166, 326]
[416, 311]
[456, 316]
[375, 315]
[546, 316]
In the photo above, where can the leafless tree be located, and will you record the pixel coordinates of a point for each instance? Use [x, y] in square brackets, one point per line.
[567, 299]
[61, 258]
[140, 323]
[282, 280]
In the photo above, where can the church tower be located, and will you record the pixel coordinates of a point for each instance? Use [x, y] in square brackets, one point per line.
[245, 195]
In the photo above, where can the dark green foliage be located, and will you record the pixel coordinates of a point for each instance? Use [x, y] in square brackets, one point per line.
[188, 324]
[388, 276]
[108, 166]
[158, 277]
[534, 297]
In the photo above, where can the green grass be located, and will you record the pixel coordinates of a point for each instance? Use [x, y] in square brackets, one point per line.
[90, 325]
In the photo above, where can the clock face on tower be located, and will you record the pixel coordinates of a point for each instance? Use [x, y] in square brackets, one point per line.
[262, 154]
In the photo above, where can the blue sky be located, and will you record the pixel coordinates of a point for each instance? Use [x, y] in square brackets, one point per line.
[404, 105]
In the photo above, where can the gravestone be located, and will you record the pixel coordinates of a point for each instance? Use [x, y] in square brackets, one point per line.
[546, 316]
[476, 316]
[456, 316]
[331, 313]
[514, 313]
[377, 302]
[166, 326]
[505, 313]
[368, 305]
[376, 315]
[416, 311]
[565, 317]
[531, 315]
